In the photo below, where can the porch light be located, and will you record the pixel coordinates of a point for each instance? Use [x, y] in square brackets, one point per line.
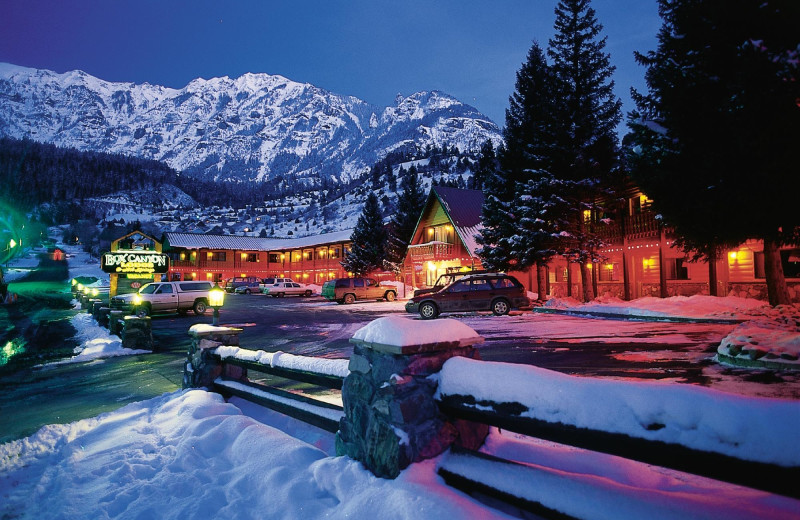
[646, 263]
[610, 267]
[305, 275]
[86, 291]
[216, 297]
[210, 254]
[733, 255]
[431, 266]
[95, 292]
[183, 256]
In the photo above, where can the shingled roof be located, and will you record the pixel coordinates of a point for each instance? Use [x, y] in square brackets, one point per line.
[463, 207]
[233, 242]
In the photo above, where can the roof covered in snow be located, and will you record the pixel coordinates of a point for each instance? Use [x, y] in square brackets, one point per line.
[245, 243]
[463, 207]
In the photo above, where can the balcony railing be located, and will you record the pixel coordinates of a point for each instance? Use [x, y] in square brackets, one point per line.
[431, 251]
[640, 225]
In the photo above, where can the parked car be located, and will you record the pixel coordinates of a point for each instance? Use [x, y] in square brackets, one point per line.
[269, 282]
[232, 283]
[158, 297]
[281, 289]
[348, 290]
[248, 287]
[445, 279]
[494, 292]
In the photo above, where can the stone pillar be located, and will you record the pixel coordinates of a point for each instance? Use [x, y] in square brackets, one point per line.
[102, 316]
[115, 321]
[391, 417]
[201, 369]
[92, 303]
[137, 333]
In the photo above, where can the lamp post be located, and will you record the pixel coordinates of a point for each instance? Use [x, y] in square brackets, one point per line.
[216, 297]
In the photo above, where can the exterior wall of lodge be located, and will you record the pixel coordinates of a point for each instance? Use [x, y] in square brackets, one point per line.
[313, 264]
[636, 241]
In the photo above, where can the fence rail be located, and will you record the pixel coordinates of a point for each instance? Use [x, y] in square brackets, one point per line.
[313, 411]
[767, 477]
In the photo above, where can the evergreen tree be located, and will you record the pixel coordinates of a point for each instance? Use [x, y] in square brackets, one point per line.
[714, 140]
[402, 224]
[487, 163]
[368, 240]
[586, 151]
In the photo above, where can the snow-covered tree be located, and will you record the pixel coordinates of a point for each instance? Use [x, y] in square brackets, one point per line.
[714, 140]
[410, 202]
[368, 240]
[586, 150]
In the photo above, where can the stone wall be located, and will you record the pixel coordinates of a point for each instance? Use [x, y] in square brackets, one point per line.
[201, 368]
[758, 290]
[391, 416]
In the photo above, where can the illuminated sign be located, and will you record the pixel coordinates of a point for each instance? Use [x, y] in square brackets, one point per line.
[135, 262]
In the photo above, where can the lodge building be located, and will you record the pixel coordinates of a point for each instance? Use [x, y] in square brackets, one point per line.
[314, 259]
[640, 258]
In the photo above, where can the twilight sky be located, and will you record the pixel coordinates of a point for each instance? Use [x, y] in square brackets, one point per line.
[371, 49]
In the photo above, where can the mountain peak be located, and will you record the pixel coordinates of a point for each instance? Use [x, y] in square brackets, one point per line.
[254, 127]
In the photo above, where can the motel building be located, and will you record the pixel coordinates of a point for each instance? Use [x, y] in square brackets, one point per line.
[640, 258]
[216, 258]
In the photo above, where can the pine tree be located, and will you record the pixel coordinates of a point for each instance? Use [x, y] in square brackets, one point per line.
[402, 224]
[487, 163]
[368, 239]
[586, 142]
[714, 140]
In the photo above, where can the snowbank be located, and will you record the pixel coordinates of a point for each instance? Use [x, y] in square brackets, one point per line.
[95, 342]
[749, 428]
[698, 306]
[191, 455]
[773, 338]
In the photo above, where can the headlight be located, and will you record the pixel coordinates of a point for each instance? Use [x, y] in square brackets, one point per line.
[137, 300]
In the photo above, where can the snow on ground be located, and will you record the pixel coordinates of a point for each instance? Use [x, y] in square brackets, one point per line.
[95, 342]
[191, 455]
[82, 264]
[20, 266]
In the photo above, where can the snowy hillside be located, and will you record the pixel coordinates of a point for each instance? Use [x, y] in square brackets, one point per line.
[254, 127]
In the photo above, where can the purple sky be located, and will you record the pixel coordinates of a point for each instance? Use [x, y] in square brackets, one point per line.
[372, 49]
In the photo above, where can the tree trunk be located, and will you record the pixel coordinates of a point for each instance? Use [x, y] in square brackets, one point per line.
[541, 281]
[586, 282]
[712, 275]
[773, 269]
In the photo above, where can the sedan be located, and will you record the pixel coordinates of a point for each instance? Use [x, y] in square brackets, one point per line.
[281, 289]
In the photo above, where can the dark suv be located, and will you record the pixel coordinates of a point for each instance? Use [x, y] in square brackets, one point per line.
[494, 292]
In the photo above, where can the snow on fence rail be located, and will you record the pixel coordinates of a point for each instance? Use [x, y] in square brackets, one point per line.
[748, 441]
[329, 373]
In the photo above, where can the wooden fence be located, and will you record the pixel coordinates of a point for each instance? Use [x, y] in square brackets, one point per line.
[313, 411]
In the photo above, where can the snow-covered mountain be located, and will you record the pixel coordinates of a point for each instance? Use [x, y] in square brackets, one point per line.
[254, 127]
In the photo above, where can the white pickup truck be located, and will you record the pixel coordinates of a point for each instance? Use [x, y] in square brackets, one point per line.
[165, 297]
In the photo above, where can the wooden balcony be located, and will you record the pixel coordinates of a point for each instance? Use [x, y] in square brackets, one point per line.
[638, 226]
[431, 251]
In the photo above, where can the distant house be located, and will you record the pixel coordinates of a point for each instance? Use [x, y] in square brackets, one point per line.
[640, 256]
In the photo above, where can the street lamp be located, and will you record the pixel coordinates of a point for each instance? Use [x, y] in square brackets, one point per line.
[216, 297]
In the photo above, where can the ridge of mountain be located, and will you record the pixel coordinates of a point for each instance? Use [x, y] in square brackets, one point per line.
[254, 127]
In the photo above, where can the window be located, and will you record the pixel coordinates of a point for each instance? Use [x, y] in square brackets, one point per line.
[252, 257]
[676, 269]
[458, 287]
[274, 258]
[358, 282]
[164, 289]
[218, 256]
[790, 260]
[343, 282]
[608, 272]
[503, 283]
[297, 256]
[481, 285]
[333, 253]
